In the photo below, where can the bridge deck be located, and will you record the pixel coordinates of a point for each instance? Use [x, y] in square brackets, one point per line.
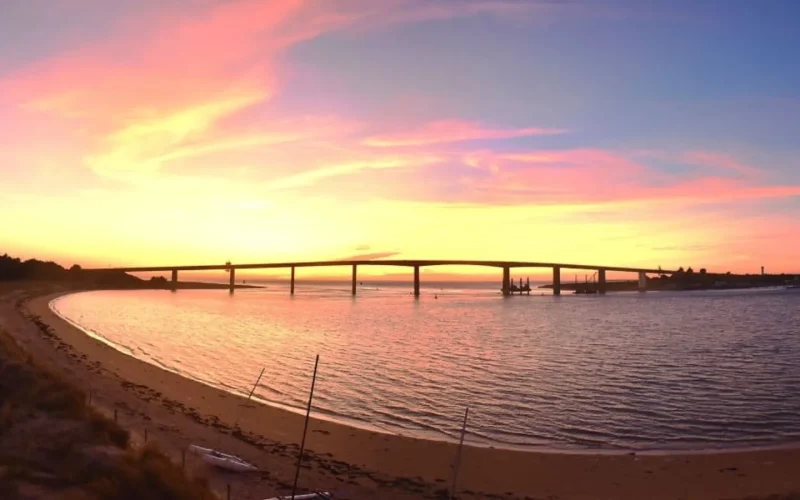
[388, 262]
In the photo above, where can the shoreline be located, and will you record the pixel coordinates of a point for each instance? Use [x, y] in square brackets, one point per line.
[346, 458]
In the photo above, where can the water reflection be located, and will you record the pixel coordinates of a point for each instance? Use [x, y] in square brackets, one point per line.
[656, 370]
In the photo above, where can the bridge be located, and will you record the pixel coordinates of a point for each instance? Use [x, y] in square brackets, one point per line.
[506, 266]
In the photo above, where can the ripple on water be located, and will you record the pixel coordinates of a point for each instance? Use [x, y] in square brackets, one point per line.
[658, 371]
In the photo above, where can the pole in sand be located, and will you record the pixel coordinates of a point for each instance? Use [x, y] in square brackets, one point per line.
[239, 409]
[305, 428]
[458, 455]
[256, 384]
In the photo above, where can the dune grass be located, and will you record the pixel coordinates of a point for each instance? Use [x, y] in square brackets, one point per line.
[53, 445]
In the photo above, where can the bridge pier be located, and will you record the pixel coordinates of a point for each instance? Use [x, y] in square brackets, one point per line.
[233, 280]
[642, 282]
[506, 281]
[174, 284]
[556, 280]
[355, 273]
[416, 281]
[601, 281]
[291, 286]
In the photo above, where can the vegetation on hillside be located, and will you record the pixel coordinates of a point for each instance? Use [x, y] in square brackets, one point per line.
[14, 269]
[53, 445]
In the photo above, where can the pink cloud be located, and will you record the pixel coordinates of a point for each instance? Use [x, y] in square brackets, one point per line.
[603, 177]
[161, 60]
[551, 175]
[720, 161]
[170, 86]
[452, 131]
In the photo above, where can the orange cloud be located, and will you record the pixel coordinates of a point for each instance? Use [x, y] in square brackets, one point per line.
[452, 131]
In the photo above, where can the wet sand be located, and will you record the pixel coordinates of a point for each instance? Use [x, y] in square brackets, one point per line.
[358, 463]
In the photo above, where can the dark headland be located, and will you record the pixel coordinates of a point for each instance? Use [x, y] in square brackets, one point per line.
[14, 269]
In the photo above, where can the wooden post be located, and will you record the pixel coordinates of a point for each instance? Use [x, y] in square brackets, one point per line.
[416, 281]
[305, 428]
[174, 284]
[233, 280]
[457, 465]
[355, 272]
[291, 286]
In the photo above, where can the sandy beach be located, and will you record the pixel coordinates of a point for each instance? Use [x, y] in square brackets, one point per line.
[357, 463]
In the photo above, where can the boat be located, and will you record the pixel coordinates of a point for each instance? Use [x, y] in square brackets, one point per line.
[317, 495]
[222, 460]
[228, 462]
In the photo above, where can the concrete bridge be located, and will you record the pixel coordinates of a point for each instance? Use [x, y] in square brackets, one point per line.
[506, 266]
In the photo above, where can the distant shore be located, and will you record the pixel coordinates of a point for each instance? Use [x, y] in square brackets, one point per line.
[688, 281]
[361, 463]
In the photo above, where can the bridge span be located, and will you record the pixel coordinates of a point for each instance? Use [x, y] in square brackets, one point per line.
[506, 266]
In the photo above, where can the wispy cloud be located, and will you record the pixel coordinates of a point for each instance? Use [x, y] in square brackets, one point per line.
[143, 146]
[310, 177]
[371, 256]
[721, 161]
[453, 131]
[368, 15]
[596, 176]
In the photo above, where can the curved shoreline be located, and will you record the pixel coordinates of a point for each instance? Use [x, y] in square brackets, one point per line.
[431, 435]
[484, 470]
[128, 352]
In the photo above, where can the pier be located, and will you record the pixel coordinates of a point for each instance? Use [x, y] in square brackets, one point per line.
[507, 288]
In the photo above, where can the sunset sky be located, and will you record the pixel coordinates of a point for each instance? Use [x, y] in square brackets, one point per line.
[139, 132]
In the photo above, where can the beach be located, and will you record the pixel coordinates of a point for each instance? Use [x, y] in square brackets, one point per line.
[356, 463]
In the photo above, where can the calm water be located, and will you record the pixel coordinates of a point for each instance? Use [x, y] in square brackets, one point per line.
[639, 371]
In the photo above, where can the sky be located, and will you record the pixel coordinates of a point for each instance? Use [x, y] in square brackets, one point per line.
[631, 133]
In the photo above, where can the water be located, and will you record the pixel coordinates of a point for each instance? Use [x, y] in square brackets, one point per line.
[662, 371]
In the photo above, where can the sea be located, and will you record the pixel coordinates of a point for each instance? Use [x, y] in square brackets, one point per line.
[655, 371]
